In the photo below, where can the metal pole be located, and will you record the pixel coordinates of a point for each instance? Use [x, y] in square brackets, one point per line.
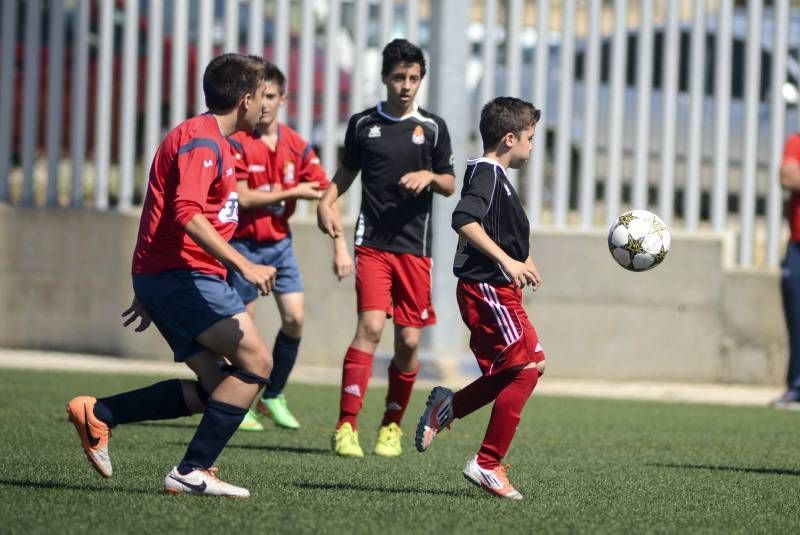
[7, 61]
[357, 88]
[152, 118]
[564, 134]
[255, 28]
[80, 74]
[777, 110]
[644, 77]
[330, 106]
[127, 127]
[747, 193]
[102, 110]
[55, 98]
[489, 55]
[205, 23]
[231, 43]
[180, 21]
[305, 89]
[722, 98]
[412, 20]
[281, 46]
[666, 189]
[30, 112]
[691, 192]
[591, 83]
[535, 178]
[617, 115]
[448, 67]
[514, 62]
[387, 22]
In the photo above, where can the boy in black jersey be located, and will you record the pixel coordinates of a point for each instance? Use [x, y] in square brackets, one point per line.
[404, 156]
[493, 265]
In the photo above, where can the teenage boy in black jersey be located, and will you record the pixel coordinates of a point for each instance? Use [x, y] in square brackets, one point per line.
[403, 153]
[493, 265]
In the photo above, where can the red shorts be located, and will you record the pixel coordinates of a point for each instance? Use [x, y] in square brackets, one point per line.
[501, 336]
[397, 283]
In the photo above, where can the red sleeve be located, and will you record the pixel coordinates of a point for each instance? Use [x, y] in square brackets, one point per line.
[239, 158]
[310, 168]
[198, 167]
[791, 151]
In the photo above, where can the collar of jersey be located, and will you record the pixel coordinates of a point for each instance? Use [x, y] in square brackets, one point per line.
[484, 159]
[397, 119]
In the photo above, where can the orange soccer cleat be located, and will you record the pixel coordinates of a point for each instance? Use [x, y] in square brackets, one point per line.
[93, 433]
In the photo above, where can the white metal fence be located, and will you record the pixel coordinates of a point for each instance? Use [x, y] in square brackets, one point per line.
[680, 106]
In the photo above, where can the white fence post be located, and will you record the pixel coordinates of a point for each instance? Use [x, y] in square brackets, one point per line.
[128, 119]
[30, 111]
[55, 99]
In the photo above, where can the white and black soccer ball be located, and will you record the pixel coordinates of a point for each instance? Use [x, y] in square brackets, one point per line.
[638, 240]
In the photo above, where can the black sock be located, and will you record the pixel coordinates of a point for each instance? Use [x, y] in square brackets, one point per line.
[161, 401]
[284, 355]
[219, 423]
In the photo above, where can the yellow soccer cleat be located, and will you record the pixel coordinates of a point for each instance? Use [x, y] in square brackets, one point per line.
[250, 422]
[388, 444]
[345, 442]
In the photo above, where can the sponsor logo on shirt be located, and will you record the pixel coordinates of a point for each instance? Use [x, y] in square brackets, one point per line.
[230, 212]
[208, 163]
[508, 190]
[256, 168]
[229, 171]
[288, 173]
[418, 136]
[375, 131]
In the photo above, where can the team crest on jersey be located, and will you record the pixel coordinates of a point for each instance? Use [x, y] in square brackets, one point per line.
[375, 131]
[418, 136]
[288, 172]
[230, 212]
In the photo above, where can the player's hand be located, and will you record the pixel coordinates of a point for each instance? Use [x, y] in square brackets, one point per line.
[307, 190]
[262, 277]
[134, 312]
[417, 181]
[521, 273]
[536, 282]
[328, 222]
[342, 264]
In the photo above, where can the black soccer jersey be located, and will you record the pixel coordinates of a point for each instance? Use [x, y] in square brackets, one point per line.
[385, 148]
[488, 198]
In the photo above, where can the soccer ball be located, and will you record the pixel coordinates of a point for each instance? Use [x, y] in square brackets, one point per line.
[638, 240]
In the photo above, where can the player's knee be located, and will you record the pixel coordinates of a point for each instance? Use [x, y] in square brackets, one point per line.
[407, 340]
[541, 366]
[292, 324]
[370, 330]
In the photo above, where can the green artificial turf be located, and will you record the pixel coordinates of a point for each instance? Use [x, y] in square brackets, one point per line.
[587, 466]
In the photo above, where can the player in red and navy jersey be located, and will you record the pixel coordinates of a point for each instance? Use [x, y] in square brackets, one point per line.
[493, 265]
[276, 166]
[179, 267]
[790, 272]
[404, 156]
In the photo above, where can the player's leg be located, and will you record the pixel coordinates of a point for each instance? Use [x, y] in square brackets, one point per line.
[373, 294]
[250, 365]
[273, 403]
[790, 292]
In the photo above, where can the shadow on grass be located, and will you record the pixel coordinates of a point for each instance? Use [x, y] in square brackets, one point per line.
[749, 470]
[53, 485]
[176, 425]
[266, 447]
[381, 489]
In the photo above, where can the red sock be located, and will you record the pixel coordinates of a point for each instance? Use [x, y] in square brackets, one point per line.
[505, 418]
[478, 393]
[355, 378]
[400, 385]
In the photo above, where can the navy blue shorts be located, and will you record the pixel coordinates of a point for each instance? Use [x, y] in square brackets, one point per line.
[183, 304]
[278, 254]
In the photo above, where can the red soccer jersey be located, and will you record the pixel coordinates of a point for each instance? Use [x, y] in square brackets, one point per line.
[293, 161]
[791, 151]
[192, 172]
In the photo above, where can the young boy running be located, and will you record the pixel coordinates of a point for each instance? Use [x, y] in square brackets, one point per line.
[493, 264]
[189, 214]
[275, 167]
[404, 156]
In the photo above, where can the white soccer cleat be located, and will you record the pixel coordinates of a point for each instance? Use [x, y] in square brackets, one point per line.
[437, 416]
[492, 481]
[203, 482]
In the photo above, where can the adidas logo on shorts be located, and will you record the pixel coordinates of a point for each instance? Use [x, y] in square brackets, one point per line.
[353, 390]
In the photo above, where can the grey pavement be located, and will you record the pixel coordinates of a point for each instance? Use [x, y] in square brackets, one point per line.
[725, 394]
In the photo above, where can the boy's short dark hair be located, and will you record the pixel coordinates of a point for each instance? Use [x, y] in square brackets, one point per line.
[503, 115]
[274, 74]
[229, 77]
[402, 51]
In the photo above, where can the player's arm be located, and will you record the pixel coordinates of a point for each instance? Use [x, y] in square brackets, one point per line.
[538, 282]
[205, 235]
[417, 181]
[790, 168]
[250, 199]
[329, 220]
[342, 261]
[520, 273]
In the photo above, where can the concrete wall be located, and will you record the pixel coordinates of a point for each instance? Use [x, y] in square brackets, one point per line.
[64, 280]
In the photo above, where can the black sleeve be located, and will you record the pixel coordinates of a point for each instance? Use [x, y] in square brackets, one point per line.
[352, 151]
[442, 158]
[475, 200]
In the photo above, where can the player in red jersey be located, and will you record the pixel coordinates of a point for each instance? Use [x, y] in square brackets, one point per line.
[275, 167]
[404, 156]
[790, 273]
[493, 265]
[179, 267]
